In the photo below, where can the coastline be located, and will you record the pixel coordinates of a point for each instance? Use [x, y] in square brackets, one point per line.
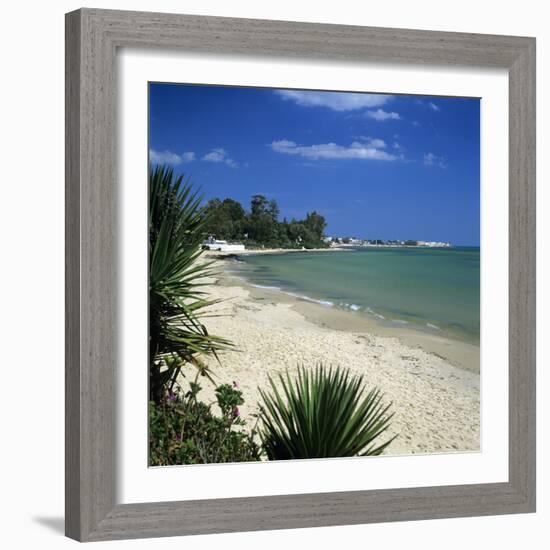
[220, 254]
[346, 317]
[435, 398]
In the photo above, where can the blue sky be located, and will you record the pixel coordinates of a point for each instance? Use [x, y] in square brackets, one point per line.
[376, 166]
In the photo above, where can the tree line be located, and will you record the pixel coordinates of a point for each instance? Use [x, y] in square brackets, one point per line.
[227, 219]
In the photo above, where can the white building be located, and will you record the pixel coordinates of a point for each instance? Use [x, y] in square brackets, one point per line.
[434, 244]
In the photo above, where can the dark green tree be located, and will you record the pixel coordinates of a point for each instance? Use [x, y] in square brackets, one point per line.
[273, 210]
[259, 206]
[228, 220]
[316, 223]
[262, 224]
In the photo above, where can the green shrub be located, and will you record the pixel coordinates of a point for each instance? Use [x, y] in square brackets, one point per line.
[184, 430]
[323, 413]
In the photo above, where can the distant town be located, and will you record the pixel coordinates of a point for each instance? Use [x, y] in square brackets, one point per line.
[222, 245]
[353, 241]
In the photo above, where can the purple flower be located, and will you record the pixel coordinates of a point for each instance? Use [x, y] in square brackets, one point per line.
[172, 396]
[236, 412]
[236, 384]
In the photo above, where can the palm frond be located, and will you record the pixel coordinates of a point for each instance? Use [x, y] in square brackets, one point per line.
[177, 277]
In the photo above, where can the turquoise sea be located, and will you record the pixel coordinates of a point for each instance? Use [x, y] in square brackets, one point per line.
[431, 289]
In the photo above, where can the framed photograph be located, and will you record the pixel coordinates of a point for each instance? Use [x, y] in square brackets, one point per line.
[300, 275]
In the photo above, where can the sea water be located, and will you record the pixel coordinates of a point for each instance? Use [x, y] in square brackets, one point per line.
[433, 289]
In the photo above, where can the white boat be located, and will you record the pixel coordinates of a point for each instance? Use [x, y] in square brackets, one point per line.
[222, 246]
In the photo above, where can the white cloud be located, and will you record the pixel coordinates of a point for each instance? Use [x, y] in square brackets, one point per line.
[168, 157]
[375, 142]
[397, 146]
[188, 156]
[433, 160]
[369, 150]
[216, 155]
[434, 107]
[219, 155]
[382, 115]
[337, 101]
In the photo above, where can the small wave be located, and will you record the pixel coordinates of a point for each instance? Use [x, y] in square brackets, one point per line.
[308, 299]
[432, 326]
[372, 312]
[400, 321]
[266, 287]
[326, 303]
[353, 307]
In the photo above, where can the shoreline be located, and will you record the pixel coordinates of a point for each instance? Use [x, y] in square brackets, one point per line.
[222, 255]
[461, 353]
[436, 403]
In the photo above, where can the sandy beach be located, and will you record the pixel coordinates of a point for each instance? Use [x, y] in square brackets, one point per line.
[432, 382]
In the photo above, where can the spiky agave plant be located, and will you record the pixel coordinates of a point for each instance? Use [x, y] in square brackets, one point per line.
[176, 280]
[322, 413]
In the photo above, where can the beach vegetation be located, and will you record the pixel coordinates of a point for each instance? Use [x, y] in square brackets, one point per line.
[177, 282]
[323, 412]
[260, 226]
[185, 430]
[226, 218]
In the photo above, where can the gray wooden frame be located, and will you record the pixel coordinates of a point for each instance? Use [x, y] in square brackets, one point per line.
[92, 39]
